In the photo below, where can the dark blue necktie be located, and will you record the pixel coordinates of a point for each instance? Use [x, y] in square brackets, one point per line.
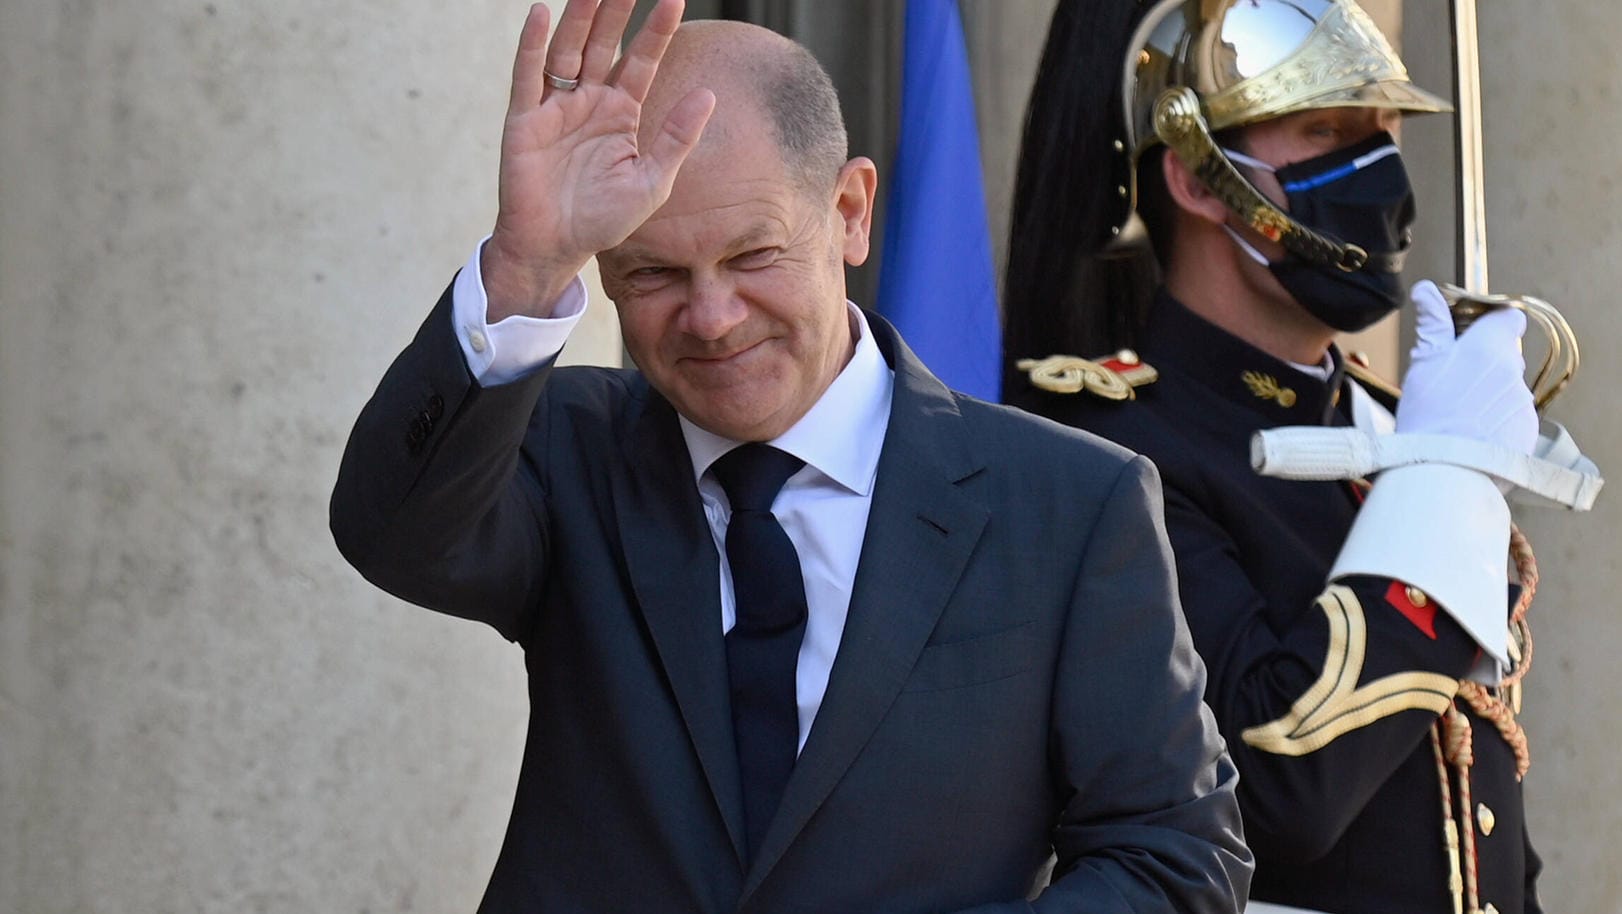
[763, 647]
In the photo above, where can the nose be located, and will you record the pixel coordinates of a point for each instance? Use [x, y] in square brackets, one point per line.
[713, 307]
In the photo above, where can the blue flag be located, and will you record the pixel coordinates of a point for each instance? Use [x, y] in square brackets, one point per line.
[936, 280]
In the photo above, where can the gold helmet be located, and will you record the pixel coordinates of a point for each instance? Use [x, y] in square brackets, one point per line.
[1196, 67]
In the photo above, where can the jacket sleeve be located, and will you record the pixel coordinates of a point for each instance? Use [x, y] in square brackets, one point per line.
[433, 502]
[1149, 818]
[1318, 712]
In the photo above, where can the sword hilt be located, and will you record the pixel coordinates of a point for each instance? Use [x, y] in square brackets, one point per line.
[1561, 361]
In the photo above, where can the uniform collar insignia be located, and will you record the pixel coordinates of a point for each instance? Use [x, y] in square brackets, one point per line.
[1266, 387]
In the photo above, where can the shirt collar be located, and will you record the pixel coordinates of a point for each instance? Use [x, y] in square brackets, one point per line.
[1323, 371]
[842, 434]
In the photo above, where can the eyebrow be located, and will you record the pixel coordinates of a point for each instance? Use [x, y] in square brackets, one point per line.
[631, 252]
[754, 238]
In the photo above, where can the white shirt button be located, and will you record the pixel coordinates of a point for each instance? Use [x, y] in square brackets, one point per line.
[475, 338]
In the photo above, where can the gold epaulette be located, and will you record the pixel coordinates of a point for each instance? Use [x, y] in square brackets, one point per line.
[1112, 377]
[1357, 365]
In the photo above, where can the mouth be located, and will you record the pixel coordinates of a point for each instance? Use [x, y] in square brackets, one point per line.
[706, 361]
[726, 370]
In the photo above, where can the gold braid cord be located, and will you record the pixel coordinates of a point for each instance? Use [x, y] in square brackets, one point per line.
[1502, 704]
[1452, 739]
[1450, 825]
[1068, 374]
[1112, 377]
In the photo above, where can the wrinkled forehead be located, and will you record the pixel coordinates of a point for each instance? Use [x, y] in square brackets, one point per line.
[720, 205]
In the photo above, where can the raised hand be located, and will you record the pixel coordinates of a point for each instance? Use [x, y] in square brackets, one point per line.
[573, 180]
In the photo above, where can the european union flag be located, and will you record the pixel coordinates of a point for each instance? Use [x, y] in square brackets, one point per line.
[936, 280]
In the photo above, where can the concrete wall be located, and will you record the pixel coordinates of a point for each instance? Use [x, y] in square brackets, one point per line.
[1550, 90]
[218, 222]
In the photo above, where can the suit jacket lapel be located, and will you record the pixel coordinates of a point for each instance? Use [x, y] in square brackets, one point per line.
[674, 570]
[921, 531]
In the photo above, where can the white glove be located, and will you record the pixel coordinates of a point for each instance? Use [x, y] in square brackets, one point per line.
[1441, 528]
[1472, 386]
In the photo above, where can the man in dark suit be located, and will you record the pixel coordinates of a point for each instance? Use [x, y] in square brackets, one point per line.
[939, 646]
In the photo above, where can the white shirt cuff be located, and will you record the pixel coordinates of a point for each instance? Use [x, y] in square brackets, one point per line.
[1444, 530]
[515, 346]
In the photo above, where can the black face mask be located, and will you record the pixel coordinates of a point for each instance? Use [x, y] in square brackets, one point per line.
[1358, 195]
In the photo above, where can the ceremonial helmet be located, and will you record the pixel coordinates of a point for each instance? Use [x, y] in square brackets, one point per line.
[1197, 67]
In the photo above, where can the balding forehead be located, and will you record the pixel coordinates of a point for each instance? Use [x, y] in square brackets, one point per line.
[725, 38]
[720, 55]
[766, 87]
[726, 58]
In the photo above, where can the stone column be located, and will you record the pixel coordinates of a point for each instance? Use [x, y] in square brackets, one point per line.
[218, 223]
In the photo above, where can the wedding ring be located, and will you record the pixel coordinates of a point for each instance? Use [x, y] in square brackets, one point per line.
[559, 82]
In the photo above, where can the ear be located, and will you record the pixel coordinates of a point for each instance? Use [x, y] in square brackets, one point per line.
[854, 193]
[1190, 193]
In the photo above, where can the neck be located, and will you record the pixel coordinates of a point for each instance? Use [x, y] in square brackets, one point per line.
[1212, 277]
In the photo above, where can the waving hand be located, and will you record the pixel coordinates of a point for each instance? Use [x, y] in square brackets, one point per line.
[574, 181]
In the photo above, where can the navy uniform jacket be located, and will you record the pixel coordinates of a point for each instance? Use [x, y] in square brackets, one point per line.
[1354, 825]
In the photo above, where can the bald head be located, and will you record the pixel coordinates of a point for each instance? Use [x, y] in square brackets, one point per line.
[761, 81]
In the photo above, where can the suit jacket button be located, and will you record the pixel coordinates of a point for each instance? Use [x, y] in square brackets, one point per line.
[436, 406]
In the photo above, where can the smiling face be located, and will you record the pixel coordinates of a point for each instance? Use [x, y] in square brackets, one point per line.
[731, 297]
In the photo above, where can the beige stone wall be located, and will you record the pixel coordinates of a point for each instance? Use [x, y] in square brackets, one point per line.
[218, 222]
[1550, 84]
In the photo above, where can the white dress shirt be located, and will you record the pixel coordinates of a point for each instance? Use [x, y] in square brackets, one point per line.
[823, 507]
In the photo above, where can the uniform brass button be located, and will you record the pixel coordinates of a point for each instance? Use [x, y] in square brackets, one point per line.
[1286, 398]
[1417, 597]
[1485, 818]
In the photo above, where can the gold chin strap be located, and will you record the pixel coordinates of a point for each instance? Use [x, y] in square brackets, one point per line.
[1183, 129]
[1559, 364]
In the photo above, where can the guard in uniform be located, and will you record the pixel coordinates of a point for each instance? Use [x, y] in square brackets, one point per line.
[1209, 191]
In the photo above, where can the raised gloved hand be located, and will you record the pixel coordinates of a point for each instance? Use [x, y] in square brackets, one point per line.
[1472, 386]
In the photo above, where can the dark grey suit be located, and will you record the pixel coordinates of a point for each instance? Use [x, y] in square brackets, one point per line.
[1014, 676]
